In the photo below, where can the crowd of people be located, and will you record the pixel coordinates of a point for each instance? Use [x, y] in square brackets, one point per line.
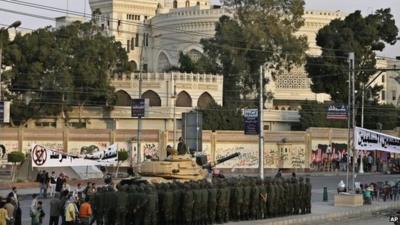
[10, 211]
[201, 202]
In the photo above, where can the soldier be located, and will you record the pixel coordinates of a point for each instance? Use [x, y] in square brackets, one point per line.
[262, 200]
[177, 203]
[187, 204]
[99, 205]
[168, 206]
[290, 196]
[122, 199]
[110, 205]
[219, 217]
[254, 199]
[150, 206]
[308, 194]
[131, 205]
[279, 197]
[244, 211]
[212, 203]
[141, 201]
[274, 199]
[303, 195]
[296, 199]
[204, 203]
[161, 191]
[236, 199]
[268, 189]
[227, 196]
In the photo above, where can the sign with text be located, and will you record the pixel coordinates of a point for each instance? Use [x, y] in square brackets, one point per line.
[138, 107]
[337, 112]
[251, 124]
[4, 112]
[370, 140]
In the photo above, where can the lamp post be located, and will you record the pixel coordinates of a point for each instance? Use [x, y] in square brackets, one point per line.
[13, 25]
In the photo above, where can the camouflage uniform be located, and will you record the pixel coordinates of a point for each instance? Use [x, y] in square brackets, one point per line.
[212, 203]
[262, 200]
[254, 200]
[303, 195]
[308, 194]
[187, 204]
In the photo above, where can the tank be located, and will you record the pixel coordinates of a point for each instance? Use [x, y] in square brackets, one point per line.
[180, 167]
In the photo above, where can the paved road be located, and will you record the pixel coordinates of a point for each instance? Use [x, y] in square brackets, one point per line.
[381, 218]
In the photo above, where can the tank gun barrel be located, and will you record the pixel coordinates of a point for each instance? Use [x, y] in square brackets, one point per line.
[226, 158]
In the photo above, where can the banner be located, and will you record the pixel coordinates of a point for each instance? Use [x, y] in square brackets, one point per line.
[336, 112]
[43, 157]
[371, 141]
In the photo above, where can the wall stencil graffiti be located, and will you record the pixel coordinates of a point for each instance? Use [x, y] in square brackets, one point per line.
[248, 155]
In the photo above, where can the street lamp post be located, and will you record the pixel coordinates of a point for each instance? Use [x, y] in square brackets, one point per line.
[13, 25]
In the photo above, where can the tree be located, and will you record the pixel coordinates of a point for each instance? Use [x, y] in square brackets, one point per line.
[53, 70]
[361, 35]
[216, 117]
[260, 31]
[15, 157]
[313, 114]
[122, 156]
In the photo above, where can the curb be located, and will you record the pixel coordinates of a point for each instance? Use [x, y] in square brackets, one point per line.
[318, 219]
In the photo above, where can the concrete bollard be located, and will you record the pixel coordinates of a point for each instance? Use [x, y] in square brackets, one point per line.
[325, 195]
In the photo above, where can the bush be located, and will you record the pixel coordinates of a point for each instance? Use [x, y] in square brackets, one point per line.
[16, 157]
[122, 155]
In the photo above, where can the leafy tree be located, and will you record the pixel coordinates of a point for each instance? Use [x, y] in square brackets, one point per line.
[361, 35]
[216, 117]
[313, 114]
[260, 31]
[122, 156]
[15, 157]
[53, 70]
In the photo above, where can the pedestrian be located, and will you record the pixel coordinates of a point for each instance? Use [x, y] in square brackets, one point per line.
[182, 148]
[294, 175]
[3, 214]
[65, 186]
[85, 212]
[59, 182]
[87, 188]
[56, 209]
[43, 180]
[71, 211]
[370, 161]
[40, 212]
[10, 211]
[78, 193]
[34, 212]
[52, 183]
[14, 196]
[279, 173]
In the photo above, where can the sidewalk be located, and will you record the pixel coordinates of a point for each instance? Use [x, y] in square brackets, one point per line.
[325, 212]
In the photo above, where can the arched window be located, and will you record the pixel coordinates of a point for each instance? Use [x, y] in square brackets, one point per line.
[205, 100]
[175, 4]
[123, 98]
[134, 65]
[163, 62]
[194, 55]
[183, 100]
[187, 3]
[154, 98]
[198, 3]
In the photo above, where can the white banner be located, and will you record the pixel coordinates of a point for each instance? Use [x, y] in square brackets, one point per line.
[372, 141]
[43, 157]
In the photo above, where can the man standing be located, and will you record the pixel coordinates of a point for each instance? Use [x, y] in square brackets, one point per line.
[56, 208]
[52, 183]
[10, 211]
[370, 161]
[70, 212]
[182, 148]
[85, 212]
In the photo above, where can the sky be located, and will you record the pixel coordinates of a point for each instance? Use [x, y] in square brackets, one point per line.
[11, 12]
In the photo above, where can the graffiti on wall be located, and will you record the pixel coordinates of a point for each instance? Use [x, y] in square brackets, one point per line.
[328, 157]
[285, 156]
[54, 145]
[248, 155]
[80, 147]
[150, 150]
[7, 147]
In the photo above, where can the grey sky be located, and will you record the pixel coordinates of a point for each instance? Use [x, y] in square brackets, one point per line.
[366, 6]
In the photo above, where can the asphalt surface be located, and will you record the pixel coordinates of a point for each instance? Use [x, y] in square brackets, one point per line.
[379, 218]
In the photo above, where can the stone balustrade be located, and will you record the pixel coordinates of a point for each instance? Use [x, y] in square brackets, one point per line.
[178, 77]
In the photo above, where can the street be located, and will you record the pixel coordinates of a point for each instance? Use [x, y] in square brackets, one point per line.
[380, 218]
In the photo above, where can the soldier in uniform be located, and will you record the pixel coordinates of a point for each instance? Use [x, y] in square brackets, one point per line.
[296, 199]
[308, 195]
[122, 199]
[268, 189]
[196, 204]
[245, 214]
[236, 199]
[274, 199]
[303, 196]
[212, 203]
[262, 200]
[168, 205]
[99, 206]
[254, 199]
[187, 204]
[290, 196]
[204, 203]
[150, 206]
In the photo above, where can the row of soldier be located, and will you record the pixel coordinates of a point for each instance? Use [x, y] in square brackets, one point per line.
[201, 202]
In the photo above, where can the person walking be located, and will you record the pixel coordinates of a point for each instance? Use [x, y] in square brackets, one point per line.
[10, 211]
[59, 182]
[3, 214]
[35, 210]
[85, 212]
[43, 180]
[71, 212]
[52, 183]
[56, 209]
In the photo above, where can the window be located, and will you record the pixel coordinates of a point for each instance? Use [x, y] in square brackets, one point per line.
[145, 68]
[128, 46]
[187, 3]
[175, 4]
[132, 45]
[146, 40]
[394, 95]
[383, 78]
[137, 40]
[383, 95]
[145, 17]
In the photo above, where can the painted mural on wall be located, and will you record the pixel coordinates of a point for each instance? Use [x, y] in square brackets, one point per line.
[284, 156]
[150, 150]
[55, 145]
[84, 147]
[248, 155]
[329, 157]
[7, 147]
